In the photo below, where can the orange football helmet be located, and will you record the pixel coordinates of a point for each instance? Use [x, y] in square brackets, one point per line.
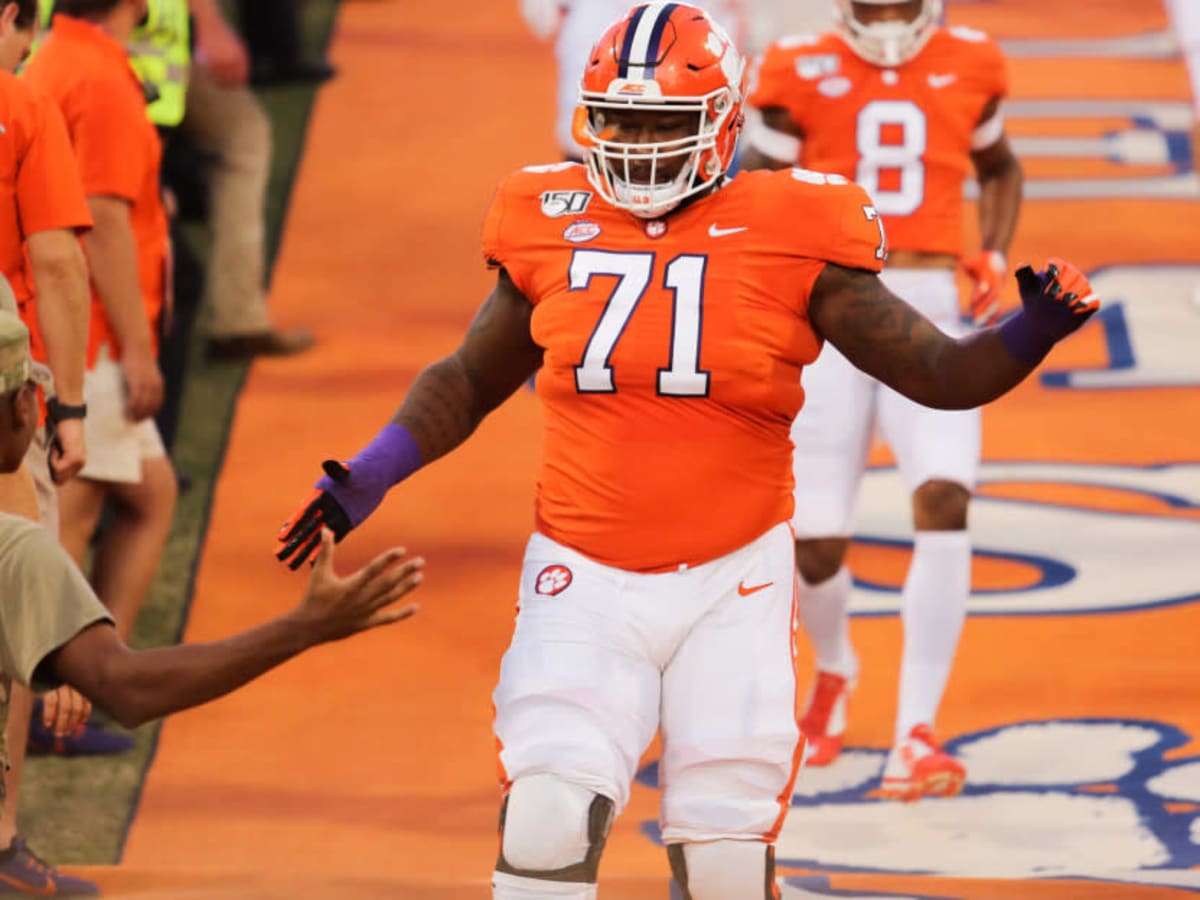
[670, 58]
[887, 43]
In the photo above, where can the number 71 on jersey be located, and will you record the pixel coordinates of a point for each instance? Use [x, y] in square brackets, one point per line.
[683, 276]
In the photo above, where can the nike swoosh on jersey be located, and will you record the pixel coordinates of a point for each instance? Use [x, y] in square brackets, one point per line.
[753, 589]
[715, 232]
[941, 81]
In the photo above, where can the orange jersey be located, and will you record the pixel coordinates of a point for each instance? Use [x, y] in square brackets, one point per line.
[904, 134]
[117, 149]
[673, 351]
[39, 187]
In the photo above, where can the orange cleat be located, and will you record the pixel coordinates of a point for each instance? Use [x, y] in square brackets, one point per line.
[824, 722]
[918, 767]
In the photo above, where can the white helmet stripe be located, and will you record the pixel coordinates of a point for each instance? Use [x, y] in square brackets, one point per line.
[642, 43]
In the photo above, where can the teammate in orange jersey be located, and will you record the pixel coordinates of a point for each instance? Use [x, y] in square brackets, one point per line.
[667, 312]
[906, 109]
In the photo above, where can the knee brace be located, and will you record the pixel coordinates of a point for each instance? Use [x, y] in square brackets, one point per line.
[553, 830]
[724, 870]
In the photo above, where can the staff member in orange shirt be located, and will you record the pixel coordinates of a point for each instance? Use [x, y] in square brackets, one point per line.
[39, 250]
[42, 212]
[83, 66]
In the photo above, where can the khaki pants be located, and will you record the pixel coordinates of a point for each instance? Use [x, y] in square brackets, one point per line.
[230, 124]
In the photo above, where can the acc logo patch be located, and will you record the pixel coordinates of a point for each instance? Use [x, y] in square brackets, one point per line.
[813, 67]
[578, 232]
[552, 580]
[835, 86]
[565, 203]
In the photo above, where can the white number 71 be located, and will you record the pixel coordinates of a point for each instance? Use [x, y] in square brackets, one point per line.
[684, 277]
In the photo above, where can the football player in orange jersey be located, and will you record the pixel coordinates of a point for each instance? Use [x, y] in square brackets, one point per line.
[667, 312]
[906, 108]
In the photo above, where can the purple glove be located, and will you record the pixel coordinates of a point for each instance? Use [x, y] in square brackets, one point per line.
[348, 493]
[1054, 303]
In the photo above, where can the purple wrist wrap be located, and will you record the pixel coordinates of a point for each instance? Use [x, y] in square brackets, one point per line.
[391, 457]
[1023, 340]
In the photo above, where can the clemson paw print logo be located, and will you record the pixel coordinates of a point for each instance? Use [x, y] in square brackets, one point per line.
[552, 580]
[1051, 808]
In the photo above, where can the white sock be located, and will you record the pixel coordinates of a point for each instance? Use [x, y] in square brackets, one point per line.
[934, 605]
[726, 870]
[823, 609]
[514, 887]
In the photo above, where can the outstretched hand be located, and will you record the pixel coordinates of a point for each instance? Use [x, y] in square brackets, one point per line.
[342, 499]
[301, 533]
[336, 607]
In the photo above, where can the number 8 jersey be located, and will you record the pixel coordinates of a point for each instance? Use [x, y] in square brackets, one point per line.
[673, 351]
[905, 133]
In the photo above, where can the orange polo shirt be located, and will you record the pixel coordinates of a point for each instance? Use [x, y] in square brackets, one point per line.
[87, 73]
[39, 187]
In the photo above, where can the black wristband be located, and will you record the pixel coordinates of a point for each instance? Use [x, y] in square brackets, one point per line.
[57, 410]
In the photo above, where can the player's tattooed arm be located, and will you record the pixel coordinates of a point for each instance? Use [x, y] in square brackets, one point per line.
[450, 398]
[889, 340]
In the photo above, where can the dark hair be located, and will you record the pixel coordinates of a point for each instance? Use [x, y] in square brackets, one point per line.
[84, 9]
[27, 11]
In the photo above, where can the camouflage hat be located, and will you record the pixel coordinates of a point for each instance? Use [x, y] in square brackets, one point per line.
[16, 365]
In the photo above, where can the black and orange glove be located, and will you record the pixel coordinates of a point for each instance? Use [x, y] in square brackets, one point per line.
[349, 492]
[300, 535]
[1054, 303]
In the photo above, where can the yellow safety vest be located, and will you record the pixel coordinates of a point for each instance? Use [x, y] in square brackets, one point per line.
[161, 55]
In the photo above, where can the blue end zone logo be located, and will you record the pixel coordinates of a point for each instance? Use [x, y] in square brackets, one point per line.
[1070, 798]
[1015, 518]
